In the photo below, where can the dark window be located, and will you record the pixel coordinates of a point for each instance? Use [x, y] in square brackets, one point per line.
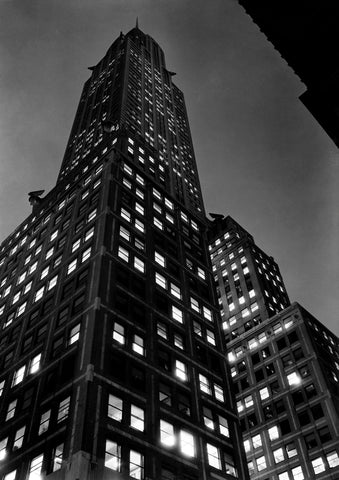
[293, 337]
[268, 412]
[27, 343]
[78, 303]
[138, 378]
[48, 305]
[164, 360]
[27, 398]
[255, 358]
[324, 434]
[281, 343]
[57, 346]
[304, 418]
[285, 427]
[41, 333]
[184, 403]
[61, 242]
[298, 354]
[244, 383]
[63, 314]
[259, 375]
[279, 406]
[241, 366]
[297, 397]
[265, 352]
[304, 371]
[270, 370]
[310, 391]
[82, 277]
[165, 394]
[78, 226]
[67, 290]
[252, 420]
[8, 358]
[287, 360]
[317, 411]
[310, 440]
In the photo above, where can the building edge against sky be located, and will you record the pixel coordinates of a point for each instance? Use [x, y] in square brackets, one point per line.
[284, 363]
[112, 357]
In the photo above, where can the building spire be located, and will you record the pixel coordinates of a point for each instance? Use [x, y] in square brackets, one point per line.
[137, 23]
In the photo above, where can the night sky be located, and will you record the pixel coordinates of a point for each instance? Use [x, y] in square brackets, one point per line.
[262, 158]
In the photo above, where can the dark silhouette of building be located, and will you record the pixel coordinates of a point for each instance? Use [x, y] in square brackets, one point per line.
[284, 364]
[111, 351]
[305, 33]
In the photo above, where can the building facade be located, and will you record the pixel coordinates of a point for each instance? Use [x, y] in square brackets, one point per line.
[284, 364]
[111, 351]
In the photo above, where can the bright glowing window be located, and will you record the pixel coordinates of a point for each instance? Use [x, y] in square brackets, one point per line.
[181, 370]
[167, 436]
[213, 456]
[137, 418]
[119, 333]
[187, 446]
[113, 456]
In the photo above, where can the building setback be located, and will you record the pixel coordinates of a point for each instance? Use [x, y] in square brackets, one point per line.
[111, 351]
[284, 364]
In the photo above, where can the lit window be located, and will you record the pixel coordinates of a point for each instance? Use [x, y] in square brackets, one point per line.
[19, 438]
[72, 266]
[123, 254]
[139, 264]
[333, 459]
[113, 456]
[11, 410]
[124, 233]
[261, 463]
[160, 259]
[86, 254]
[89, 234]
[158, 223]
[162, 330]
[137, 418]
[187, 444]
[248, 401]
[136, 465]
[177, 314]
[201, 273]
[63, 410]
[181, 370]
[35, 468]
[20, 279]
[318, 465]
[219, 393]
[283, 476]
[44, 422]
[167, 436]
[223, 426]
[74, 334]
[32, 268]
[52, 283]
[76, 245]
[273, 433]
[175, 291]
[278, 455]
[91, 215]
[297, 473]
[160, 280]
[138, 345]
[35, 364]
[57, 457]
[293, 379]
[115, 407]
[18, 376]
[204, 384]
[213, 456]
[119, 333]
[207, 313]
[256, 441]
[54, 235]
[3, 451]
[210, 337]
[264, 393]
[16, 297]
[139, 208]
[195, 304]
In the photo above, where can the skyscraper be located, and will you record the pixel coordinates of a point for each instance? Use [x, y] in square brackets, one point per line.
[112, 358]
[284, 364]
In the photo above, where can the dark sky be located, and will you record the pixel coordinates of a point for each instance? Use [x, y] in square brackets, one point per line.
[262, 158]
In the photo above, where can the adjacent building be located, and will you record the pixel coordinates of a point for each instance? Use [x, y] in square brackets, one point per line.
[111, 350]
[284, 364]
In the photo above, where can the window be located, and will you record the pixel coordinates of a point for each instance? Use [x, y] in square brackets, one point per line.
[264, 393]
[167, 437]
[57, 457]
[318, 465]
[86, 255]
[63, 410]
[3, 451]
[278, 455]
[219, 393]
[123, 254]
[138, 345]
[11, 410]
[53, 281]
[19, 438]
[261, 463]
[187, 443]
[273, 433]
[18, 376]
[297, 473]
[137, 418]
[177, 314]
[223, 426]
[256, 441]
[139, 264]
[181, 370]
[204, 384]
[44, 422]
[179, 341]
[74, 334]
[333, 459]
[115, 407]
[136, 465]
[39, 294]
[119, 333]
[35, 364]
[162, 330]
[113, 456]
[293, 379]
[35, 468]
[72, 266]
[160, 259]
[213, 456]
